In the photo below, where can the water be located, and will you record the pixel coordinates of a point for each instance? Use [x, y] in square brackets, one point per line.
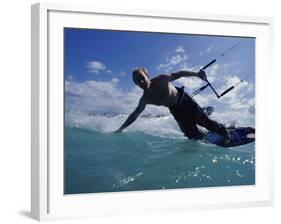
[151, 154]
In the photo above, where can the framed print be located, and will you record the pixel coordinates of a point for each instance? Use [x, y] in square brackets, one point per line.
[148, 111]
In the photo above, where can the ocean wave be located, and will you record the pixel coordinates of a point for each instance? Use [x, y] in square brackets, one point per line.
[161, 126]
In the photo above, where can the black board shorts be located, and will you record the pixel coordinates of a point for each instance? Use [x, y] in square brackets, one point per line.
[189, 114]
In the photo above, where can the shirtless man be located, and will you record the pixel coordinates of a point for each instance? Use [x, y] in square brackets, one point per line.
[159, 91]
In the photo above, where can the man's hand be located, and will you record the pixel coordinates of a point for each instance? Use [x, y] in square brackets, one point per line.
[202, 75]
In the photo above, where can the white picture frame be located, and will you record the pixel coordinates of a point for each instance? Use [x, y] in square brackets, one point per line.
[48, 201]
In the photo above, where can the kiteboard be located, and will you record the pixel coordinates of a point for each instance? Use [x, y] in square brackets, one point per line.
[238, 136]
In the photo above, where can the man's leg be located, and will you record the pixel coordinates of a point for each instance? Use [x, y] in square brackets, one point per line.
[203, 120]
[191, 131]
[186, 122]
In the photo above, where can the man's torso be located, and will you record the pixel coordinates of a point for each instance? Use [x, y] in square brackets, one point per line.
[161, 92]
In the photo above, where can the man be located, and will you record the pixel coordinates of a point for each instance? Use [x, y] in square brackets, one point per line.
[159, 91]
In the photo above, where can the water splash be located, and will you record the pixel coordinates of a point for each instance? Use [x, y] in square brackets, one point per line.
[127, 180]
[163, 126]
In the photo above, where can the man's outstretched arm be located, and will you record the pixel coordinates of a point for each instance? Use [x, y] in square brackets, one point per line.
[134, 115]
[176, 75]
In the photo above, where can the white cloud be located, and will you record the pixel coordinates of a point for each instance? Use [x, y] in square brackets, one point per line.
[109, 71]
[205, 100]
[122, 73]
[238, 90]
[191, 83]
[172, 63]
[98, 96]
[70, 77]
[235, 106]
[96, 66]
[252, 109]
[213, 72]
[114, 80]
[176, 61]
[209, 49]
[180, 49]
[239, 117]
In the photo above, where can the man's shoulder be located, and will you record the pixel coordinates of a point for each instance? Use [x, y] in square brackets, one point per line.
[160, 77]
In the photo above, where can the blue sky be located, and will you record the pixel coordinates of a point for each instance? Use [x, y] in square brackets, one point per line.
[99, 63]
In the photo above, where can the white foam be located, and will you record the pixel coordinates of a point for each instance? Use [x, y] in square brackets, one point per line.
[127, 180]
[157, 126]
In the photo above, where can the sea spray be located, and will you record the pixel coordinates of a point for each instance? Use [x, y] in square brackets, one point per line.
[161, 126]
